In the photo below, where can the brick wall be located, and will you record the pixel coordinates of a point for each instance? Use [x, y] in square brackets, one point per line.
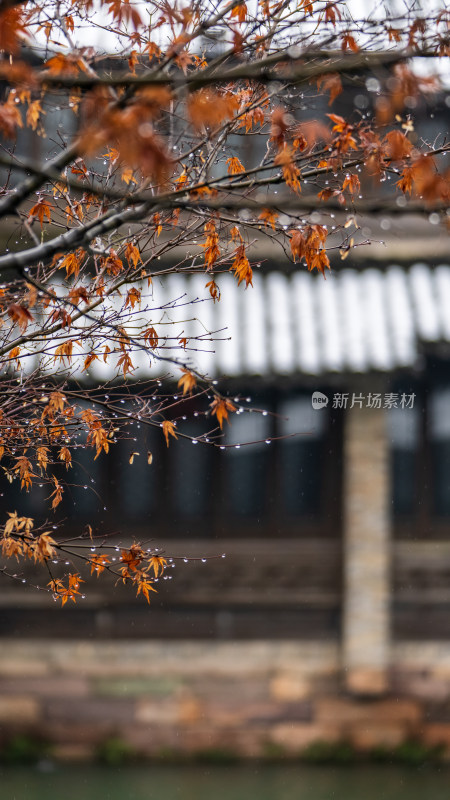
[190, 698]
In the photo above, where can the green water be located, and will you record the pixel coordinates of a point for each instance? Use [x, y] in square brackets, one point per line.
[221, 783]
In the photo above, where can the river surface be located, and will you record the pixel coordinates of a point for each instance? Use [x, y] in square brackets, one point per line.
[223, 783]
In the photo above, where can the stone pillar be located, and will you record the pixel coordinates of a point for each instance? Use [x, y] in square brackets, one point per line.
[366, 584]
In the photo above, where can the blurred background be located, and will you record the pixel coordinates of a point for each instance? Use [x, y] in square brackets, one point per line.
[307, 605]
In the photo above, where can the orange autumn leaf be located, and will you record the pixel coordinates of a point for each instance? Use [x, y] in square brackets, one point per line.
[99, 562]
[269, 217]
[44, 547]
[157, 564]
[131, 560]
[330, 83]
[64, 593]
[211, 245]
[10, 119]
[240, 12]
[79, 294]
[349, 42]
[187, 382]
[34, 113]
[351, 183]
[41, 211]
[213, 290]
[145, 585]
[19, 315]
[332, 13]
[220, 407]
[132, 61]
[234, 166]
[168, 430]
[56, 495]
[289, 170]
[72, 263]
[396, 145]
[11, 547]
[113, 263]
[65, 456]
[132, 254]
[12, 29]
[64, 351]
[242, 268]
[209, 108]
[151, 337]
[133, 297]
[24, 470]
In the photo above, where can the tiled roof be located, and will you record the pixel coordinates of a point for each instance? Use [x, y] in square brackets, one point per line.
[354, 321]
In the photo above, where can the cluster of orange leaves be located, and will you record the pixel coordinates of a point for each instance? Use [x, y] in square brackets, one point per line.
[137, 567]
[18, 540]
[130, 129]
[65, 593]
[309, 244]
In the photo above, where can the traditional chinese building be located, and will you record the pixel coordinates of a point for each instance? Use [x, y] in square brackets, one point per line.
[329, 617]
[334, 523]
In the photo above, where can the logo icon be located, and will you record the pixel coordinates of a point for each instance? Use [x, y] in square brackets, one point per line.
[319, 400]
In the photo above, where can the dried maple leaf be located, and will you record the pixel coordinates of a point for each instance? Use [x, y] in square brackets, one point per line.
[72, 262]
[97, 436]
[11, 547]
[290, 172]
[234, 166]
[42, 457]
[349, 42]
[24, 469]
[269, 217]
[157, 564]
[34, 113]
[78, 294]
[125, 363]
[213, 290]
[113, 264]
[132, 254]
[64, 351]
[187, 382]
[131, 560]
[10, 119]
[330, 83]
[89, 359]
[351, 183]
[240, 12]
[41, 210]
[20, 315]
[253, 117]
[241, 267]
[332, 13]
[65, 455]
[278, 127]
[69, 592]
[211, 245]
[220, 406]
[12, 28]
[396, 146]
[209, 108]
[168, 430]
[145, 585]
[151, 337]
[133, 297]
[56, 494]
[44, 547]
[98, 563]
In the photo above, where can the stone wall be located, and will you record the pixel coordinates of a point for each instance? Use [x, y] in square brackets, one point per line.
[367, 556]
[256, 699]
